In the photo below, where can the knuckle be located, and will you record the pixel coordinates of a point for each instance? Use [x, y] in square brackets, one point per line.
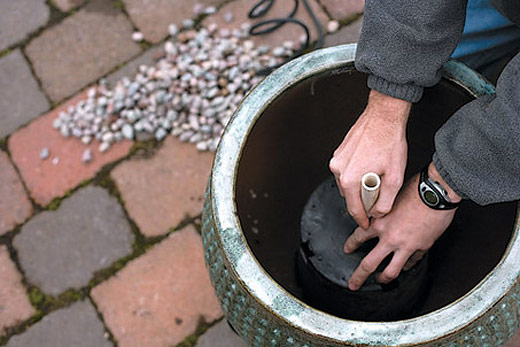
[367, 266]
[395, 181]
[358, 238]
[391, 274]
[333, 166]
[383, 210]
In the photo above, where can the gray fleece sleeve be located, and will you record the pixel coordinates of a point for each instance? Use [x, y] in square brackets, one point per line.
[478, 148]
[404, 43]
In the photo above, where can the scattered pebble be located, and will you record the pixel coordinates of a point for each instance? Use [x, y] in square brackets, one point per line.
[137, 36]
[332, 26]
[188, 23]
[228, 17]
[191, 92]
[55, 161]
[44, 153]
[210, 10]
[87, 156]
[173, 30]
[198, 9]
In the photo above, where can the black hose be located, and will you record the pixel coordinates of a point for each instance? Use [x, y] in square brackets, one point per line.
[262, 7]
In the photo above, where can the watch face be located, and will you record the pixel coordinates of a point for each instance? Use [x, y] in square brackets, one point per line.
[431, 198]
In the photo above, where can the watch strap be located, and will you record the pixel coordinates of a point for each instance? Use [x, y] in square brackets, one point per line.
[444, 202]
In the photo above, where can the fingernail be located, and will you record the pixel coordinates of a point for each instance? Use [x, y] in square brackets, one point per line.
[352, 286]
[346, 249]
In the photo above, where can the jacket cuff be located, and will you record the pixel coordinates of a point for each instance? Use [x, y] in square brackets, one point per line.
[441, 169]
[406, 92]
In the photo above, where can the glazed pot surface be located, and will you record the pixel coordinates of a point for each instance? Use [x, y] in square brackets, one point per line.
[275, 152]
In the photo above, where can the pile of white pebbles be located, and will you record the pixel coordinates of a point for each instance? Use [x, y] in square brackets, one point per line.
[190, 93]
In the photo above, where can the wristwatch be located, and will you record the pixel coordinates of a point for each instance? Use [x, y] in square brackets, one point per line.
[433, 194]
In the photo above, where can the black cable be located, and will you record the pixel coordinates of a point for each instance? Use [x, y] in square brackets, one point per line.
[262, 7]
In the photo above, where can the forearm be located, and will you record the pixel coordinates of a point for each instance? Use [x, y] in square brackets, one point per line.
[403, 44]
[478, 148]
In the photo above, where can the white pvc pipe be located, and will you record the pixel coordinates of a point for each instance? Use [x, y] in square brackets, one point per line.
[370, 184]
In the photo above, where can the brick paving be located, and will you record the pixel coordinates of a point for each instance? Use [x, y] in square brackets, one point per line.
[14, 304]
[67, 5]
[136, 236]
[15, 207]
[220, 335]
[171, 184]
[20, 18]
[62, 249]
[152, 17]
[347, 34]
[44, 179]
[77, 325]
[343, 9]
[22, 101]
[159, 299]
[81, 49]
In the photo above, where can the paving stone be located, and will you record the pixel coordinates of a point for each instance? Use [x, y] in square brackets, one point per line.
[160, 192]
[129, 70]
[342, 9]
[15, 207]
[158, 299]
[77, 325]
[514, 341]
[22, 100]
[82, 48]
[221, 335]
[347, 34]
[45, 180]
[153, 16]
[14, 304]
[67, 5]
[280, 9]
[20, 18]
[61, 249]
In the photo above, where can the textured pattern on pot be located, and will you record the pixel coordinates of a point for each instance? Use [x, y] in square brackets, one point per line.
[274, 153]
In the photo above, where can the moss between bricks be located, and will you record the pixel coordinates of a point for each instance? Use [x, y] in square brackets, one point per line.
[56, 202]
[192, 339]
[3, 144]
[43, 304]
[119, 5]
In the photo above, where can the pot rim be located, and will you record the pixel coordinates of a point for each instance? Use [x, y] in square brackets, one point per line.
[271, 295]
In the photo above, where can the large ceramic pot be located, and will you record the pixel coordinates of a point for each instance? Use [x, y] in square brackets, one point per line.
[274, 153]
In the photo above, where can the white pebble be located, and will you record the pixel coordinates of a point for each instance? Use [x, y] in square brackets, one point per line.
[87, 156]
[228, 17]
[86, 140]
[104, 146]
[210, 10]
[332, 26]
[128, 132]
[188, 23]
[55, 161]
[137, 36]
[198, 8]
[160, 134]
[173, 30]
[44, 153]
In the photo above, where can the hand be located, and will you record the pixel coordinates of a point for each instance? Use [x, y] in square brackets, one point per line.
[376, 143]
[408, 231]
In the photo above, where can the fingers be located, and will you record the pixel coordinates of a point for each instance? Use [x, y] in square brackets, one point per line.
[393, 269]
[358, 237]
[414, 259]
[350, 188]
[390, 185]
[352, 194]
[367, 266]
